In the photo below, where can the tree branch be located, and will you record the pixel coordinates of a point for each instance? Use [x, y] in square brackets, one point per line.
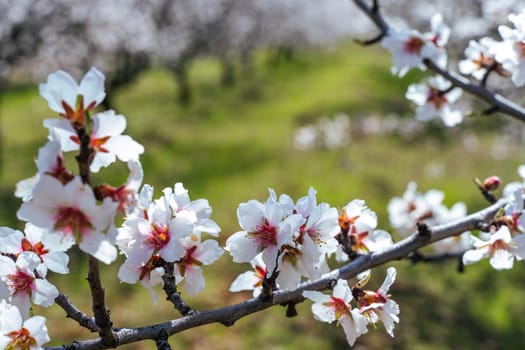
[498, 102]
[229, 314]
[100, 311]
[76, 314]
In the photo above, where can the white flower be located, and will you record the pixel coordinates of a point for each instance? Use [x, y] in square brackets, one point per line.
[480, 57]
[378, 305]
[200, 210]
[15, 333]
[251, 280]
[71, 211]
[62, 93]
[149, 273]
[409, 47]
[265, 229]
[197, 253]
[337, 307]
[49, 248]
[51, 162]
[22, 284]
[512, 51]
[359, 223]
[106, 139]
[158, 233]
[501, 249]
[435, 98]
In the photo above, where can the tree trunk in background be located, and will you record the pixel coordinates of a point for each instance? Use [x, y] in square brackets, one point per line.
[184, 94]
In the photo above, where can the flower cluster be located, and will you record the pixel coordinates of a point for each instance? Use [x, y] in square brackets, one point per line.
[284, 239]
[371, 306]
[504, 240]
[415, 207]
[165, 233]
[436, 96]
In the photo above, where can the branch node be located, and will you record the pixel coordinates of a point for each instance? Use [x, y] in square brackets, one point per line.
[291, 310]
[423, 230]
[162, 340]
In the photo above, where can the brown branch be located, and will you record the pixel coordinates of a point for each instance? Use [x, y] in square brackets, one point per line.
[172, 294]
[501, 104]
[76, 314]
[229, 314]
[101, 313]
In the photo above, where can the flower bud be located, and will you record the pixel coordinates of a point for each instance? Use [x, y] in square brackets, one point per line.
[491, 183]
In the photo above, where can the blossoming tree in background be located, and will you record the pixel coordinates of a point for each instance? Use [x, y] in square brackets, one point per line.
[168, 240]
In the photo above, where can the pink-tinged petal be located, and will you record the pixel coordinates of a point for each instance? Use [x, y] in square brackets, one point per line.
[36, 326]
[47, 156]
[173, 251]
[136, 175]
[208, 252]
[353, 325]
[11, 317]
[44, 293]
[7, 266]
[390, 278]
[124, 147]
[502, 259]
[388, 315]
[209, 226]
[474, 255]
[241, 248]
[37, 215]
[245, 281]
[24, 188]
[102, 160]
[129, 272]
[57, 262]
[288, 278]
[98, 246]
[180, 227]
[108, 124]
[61, 131]
[10, 241]
[342, 291]
[60, 87]
[104, 214]
[194, 280]
[269, 256]
[250, 215]
[92, 88]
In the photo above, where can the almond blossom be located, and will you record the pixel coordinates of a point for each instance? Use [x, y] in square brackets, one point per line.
[22, 286]
[409, 47]
[337, 307]
[480, 58]
[359, 223]
[17, 333]
[501, 249]
[149, 273]
[70, 99]
[71, 211]
[436, 98]
[251, 280]
[197, 254]
[49, 248]
[106, 139]
[265, 229]
[378, 305]
[51, 162]
[511, 52]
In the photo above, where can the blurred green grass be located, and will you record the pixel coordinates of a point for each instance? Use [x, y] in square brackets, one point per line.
[230, 144]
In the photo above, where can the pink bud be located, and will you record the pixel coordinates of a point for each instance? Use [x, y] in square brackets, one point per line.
[491, 183]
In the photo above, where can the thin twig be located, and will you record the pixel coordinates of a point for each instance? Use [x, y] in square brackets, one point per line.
[172, 294]
[76, 314]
